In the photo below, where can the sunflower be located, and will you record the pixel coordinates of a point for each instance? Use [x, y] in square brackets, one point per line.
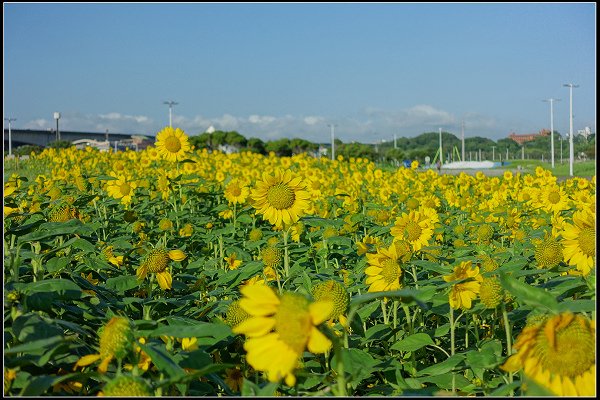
[116, 341]
[234, 378]
[579, 241]
[416, 227]
[384, 272]
[172, 144]
[232, 261]
[548, 253]
[280, 329]
[157, 262]
[335, 292]
[280, 198]
[463, 293]
[553, 199]
[558, 353]
[121, 188]
[236, 192]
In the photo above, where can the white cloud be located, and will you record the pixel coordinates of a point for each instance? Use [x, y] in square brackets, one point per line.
[367, 126]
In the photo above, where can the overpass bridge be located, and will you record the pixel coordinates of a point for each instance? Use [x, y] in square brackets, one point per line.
[21, 137]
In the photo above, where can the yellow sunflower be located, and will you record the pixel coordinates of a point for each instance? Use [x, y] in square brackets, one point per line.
[384, 272]
[236, 192]
[553, 199]
[579, 241]
[558, 353]
[157, 262]
[280, 198]
[122, 188]
[463, 293]
[232, 261]
[416, 227]
[280, 329]
[172, 144]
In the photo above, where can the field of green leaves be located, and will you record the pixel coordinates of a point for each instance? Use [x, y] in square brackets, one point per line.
[177, 272]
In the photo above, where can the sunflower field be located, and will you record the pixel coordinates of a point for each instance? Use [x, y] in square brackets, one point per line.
[175, 271]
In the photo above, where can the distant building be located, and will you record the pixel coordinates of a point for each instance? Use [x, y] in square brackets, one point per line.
[520, 139]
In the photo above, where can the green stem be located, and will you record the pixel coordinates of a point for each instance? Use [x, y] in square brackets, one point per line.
[384, 311]
[286, 257]
[452, 346]
[234, 219]
[508, 340]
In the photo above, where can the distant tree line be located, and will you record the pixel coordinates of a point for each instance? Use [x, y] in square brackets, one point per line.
[415, 148]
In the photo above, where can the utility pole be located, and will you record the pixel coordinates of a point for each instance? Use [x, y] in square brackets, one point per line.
[493, 153]
[441, 161]
[551, 101]
[57, 117]
[332, 126]
[170, 104]
[9, 135]
[571, 151]
[395, 146]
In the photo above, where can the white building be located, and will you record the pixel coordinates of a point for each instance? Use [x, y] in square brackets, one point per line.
[585, 132]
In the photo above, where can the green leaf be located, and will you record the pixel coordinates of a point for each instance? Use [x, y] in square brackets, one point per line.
[31, 327]
[443, 367]
[406, 295]
[197, 359]
[123, 283]
[199, 329]
[528, 294]
[35, 345]
[413, 342]
[577, 306]
[162, 360]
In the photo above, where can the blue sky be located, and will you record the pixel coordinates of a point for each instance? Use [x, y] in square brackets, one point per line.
[288, 70]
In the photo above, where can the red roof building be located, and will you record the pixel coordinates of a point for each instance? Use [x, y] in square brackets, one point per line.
[520, 139]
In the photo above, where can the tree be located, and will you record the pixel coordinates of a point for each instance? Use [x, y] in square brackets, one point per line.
[280, 147]
[256, 145]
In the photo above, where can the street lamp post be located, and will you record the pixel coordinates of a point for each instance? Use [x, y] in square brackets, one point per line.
[493, 153]
[57, 117]
[170, 104]
[441, 162]
[332, 126]
[551, 101]
[571, 151]
[9, 135]
[560, 139]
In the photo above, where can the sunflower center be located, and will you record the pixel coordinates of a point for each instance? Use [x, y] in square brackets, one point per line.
[235, 191]
[172, 144]
[554, 197]
[573, 352]
[292, 321]
[280, 196]
[413, 231]
[587, 241]
[125, 189]
[157, 260]
[271, 256]
[391, 271]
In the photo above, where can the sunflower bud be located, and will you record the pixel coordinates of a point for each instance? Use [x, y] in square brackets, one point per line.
[127, 386]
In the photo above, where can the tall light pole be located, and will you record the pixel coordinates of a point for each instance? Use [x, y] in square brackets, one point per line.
[332, 126]
[571, 151]
[441, 162]
[551, 101]
[560, 139]
[9, 135]
[57, 117]
[493, 153]
[170, 104]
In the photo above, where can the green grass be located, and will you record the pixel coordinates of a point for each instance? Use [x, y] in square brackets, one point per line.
[585, 169]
